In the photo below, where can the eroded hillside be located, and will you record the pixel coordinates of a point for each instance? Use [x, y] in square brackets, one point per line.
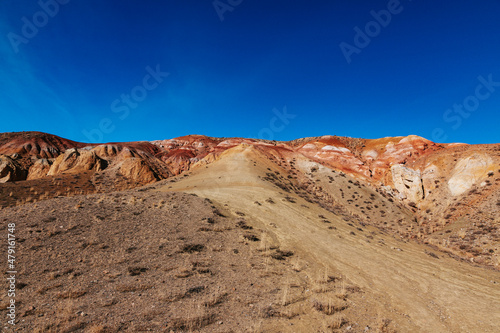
[394, 234]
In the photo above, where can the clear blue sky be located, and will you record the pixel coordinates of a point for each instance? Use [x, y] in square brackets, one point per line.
[225, 77]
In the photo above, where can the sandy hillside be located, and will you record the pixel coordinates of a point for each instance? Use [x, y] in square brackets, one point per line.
[320, 234]
[407, 282]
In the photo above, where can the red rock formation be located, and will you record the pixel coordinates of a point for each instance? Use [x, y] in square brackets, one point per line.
[411, 165]
[41, 145]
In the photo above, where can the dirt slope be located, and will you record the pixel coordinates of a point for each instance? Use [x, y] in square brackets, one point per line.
[407, 282]
[144, 261]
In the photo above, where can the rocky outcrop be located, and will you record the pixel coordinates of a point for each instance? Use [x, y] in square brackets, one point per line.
[470, 171]
[381, 154]
[137, 170]
[408, 182]
[10, 170]
[75, 161]
[39, 169]
[107, 151]
[430, 177]
[335, 155]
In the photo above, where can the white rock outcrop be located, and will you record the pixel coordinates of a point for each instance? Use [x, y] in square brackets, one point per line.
[408, 182]
[469, 171]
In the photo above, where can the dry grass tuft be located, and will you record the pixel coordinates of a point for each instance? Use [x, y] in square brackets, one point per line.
[191, 248]
[328, 306]
[382, 326]
[215, 299]
[319, 287]
[341, 292]
[336, 322]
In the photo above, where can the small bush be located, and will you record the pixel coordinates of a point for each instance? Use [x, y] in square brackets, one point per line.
[329, 307]
[281, 255]
[190, 248]
[133, 271]
[337, 321]
[251, 237]
[243, 225]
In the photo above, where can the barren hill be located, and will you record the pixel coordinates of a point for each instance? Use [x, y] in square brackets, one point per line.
[355, 235]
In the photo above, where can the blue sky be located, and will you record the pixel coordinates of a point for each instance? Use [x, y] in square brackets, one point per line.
[143, 70]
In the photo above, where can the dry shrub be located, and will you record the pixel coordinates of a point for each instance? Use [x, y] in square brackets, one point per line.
[191, 248]
[287, 314]
[133, 271]
[267, 312]
[281, 255]
[270, 312]
[319, 287]
[215, 299]
[382, 326]
[337, 321]
[251, 237]
[329, 306]
[333, 323]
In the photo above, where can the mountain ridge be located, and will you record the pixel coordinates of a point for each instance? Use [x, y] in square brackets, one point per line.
[443, 185]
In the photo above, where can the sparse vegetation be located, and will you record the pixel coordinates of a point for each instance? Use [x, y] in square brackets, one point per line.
[154, 260]
[328, 306]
